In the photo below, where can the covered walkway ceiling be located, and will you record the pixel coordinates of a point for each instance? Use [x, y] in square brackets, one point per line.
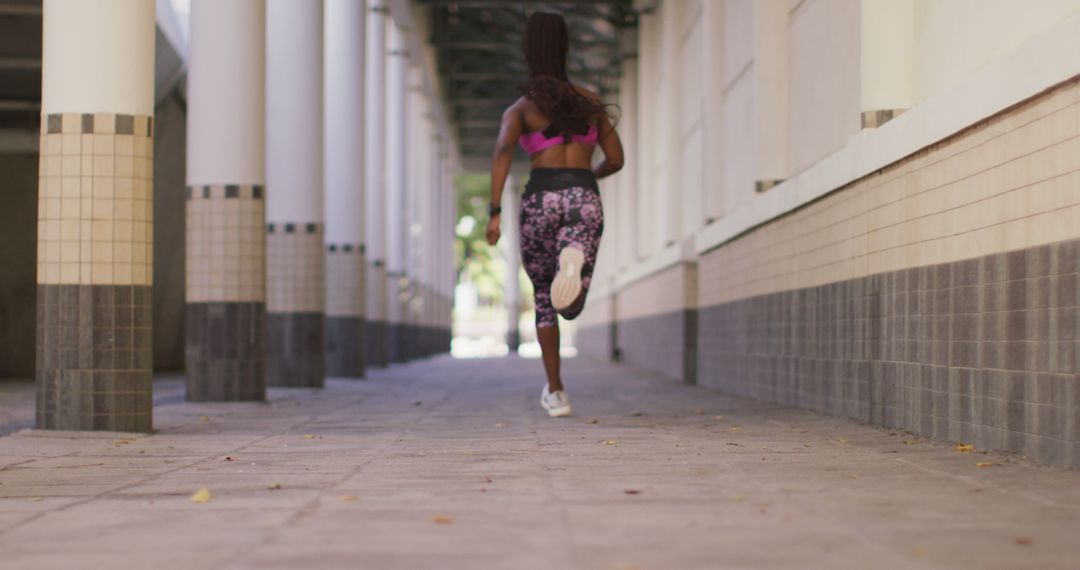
[478, 46]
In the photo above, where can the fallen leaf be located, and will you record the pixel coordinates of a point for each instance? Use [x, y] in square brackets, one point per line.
[1024, 541]
[348, 498]
[35, 499]
[609, 442]
[699, 412]
[806, 445]
[964, 447]
[718, 417]
[854, 475]
[227, 458]
[736, 429]
[309, 436]
[637, 414]
[488, 480]
[632, 491]
[274, 487]
[122, 441]
[204, 418]
[739, 498]
[592, 421]
[983, 464]
[202, 496]
[442, 519]
[500, 425]
[909, 442]
[841, 440]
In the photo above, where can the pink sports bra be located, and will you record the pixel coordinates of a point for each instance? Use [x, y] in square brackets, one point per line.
[535, 141]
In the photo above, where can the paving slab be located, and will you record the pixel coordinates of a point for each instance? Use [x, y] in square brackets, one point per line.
[449, 463]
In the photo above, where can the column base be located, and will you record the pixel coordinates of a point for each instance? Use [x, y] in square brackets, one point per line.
[94, 358]
[225, 356]
[345, 346]
[377, 345]
[513, 340]
[396, 334]
[295, 350]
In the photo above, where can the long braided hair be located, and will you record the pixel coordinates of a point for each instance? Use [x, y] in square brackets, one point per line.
[546, 43]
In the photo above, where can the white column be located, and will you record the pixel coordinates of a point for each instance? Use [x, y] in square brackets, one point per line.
[294, 193]
[511, 245]
[770, 94]
[374, 181]
[95, 215]
[627, 237]
[668, 198]
[395, 187]
[344, 167]
[887, 60]
[226, 209]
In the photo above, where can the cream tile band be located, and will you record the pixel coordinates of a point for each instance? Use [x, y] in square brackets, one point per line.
[295, 270]
[226, 243]
[95, 199]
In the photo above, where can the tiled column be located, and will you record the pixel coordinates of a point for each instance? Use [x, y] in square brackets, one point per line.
[396, 280]
[770, 93]
[225, 323]
[511, 249]
[95, 227]
[374, 183]
[294, 203]
[887, 54]
[344, 148]
[415, 158]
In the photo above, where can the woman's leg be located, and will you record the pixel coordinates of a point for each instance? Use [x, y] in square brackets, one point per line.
[548, 337]
[583, 232]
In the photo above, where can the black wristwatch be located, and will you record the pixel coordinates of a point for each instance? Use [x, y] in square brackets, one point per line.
[494, 210]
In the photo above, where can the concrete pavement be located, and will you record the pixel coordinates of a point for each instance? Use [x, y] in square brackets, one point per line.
[451, 464]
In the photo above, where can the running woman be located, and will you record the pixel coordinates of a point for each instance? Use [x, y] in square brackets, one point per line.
[559, 125]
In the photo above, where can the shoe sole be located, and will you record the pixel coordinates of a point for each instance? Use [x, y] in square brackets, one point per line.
[558, 412]
[566, 286]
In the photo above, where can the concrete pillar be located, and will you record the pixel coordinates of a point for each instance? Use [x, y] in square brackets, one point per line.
[511, 244]
[95, 226]
[416, 157]
[296, 283]
[770, 93]
[374, 183]
[343, 124]
[225, 319]
[887, 53]
[396, 280]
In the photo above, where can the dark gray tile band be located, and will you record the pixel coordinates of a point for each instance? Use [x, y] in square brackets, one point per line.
[377, 352]
[94, 357]
[122, 124]
[981, 350]
[659, 343]
[395, 343]
[295, 350]
[345, 346]
[225, 352]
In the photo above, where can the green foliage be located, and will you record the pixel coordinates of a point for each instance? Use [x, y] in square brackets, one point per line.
[477, 261]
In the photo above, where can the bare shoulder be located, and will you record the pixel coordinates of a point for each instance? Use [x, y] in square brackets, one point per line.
[518, 108]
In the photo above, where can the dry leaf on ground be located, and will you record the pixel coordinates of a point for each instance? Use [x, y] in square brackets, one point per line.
[909, 442]
[637, 414]
[204, 418]
[592, 421]
[1024, 541]
[35, 499]
[123, 441]
[609, 442]
[736, 428]
[442, 519]
[202, 496]
[983, 464]
[632, 491]
[309, 436]
[348, 498]
[964, 447]
[274, 487]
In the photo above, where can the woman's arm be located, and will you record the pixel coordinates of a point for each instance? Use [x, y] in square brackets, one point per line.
[500, 164]
[611, 146]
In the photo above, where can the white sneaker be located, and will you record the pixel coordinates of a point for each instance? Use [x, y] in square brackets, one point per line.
[566, 286]
[556, 403]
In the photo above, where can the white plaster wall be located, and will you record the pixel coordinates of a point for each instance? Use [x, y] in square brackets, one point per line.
[736, 104]
[956, 38]
[823, 86]
[690, 117]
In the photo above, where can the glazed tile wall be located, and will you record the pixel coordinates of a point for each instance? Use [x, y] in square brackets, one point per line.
[95, 209]
[937, 295]
[295, 268]
[1008, 183]
[226, 243]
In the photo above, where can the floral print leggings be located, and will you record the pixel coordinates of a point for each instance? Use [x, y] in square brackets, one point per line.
[550, 221]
